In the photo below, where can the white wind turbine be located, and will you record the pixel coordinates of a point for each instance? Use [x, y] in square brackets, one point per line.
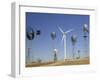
[64, 39]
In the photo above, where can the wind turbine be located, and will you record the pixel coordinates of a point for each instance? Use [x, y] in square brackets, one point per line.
[64, 40]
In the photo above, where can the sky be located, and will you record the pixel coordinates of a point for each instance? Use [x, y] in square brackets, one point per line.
[42, 46]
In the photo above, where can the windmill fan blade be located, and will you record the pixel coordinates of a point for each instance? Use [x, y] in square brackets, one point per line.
[61, 30]
[68, 31]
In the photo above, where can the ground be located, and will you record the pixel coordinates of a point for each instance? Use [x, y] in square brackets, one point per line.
[60, 62]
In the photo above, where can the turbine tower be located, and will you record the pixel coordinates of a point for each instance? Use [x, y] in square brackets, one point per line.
[64, 40]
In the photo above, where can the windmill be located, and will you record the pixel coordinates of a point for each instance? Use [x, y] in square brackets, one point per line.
[53, 36]
[30, 36]
[55, 55]
[64, 40]
[78, 57]
[73, 39]
[85, 31]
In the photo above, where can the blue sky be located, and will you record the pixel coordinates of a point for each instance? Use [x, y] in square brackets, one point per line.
[42, 45]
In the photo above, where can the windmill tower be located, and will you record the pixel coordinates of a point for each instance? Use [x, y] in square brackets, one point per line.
[64, 40]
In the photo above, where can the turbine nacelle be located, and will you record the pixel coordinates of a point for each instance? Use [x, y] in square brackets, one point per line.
[64, 33]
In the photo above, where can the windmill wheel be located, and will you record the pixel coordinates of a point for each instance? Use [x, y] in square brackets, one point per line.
[30, 34]
[53, 35]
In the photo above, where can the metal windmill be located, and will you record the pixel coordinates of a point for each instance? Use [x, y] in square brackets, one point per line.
[85, 31]
[64, 39]
[73, 39]
[78, 54]
[55, 55]
[53, 36]
[30, 36]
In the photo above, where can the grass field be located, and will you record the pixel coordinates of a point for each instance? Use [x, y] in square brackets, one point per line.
[60, 63]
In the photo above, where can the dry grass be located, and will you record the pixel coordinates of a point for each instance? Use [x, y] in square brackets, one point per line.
[62, 62]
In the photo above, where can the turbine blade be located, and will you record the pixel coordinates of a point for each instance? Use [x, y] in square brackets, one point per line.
[61, 30]
[68, 31]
